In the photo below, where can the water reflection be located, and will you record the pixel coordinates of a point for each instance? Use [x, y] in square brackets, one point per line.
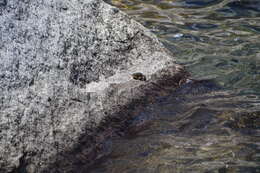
[205, 126]
[194, 3]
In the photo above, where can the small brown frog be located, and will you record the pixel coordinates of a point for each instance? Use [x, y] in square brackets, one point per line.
[139, 76]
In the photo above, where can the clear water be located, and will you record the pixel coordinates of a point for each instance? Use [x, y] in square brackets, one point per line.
[211, 126]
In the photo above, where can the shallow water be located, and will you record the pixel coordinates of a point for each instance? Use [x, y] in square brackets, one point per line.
[208, 126]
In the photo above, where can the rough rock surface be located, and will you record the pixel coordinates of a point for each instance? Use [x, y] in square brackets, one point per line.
[65, 65]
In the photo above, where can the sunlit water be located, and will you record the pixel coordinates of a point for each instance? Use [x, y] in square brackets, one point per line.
[211, 126]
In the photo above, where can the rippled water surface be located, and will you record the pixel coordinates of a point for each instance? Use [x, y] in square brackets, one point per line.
[209, 126]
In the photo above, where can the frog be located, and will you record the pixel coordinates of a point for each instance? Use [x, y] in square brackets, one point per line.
[139, 76]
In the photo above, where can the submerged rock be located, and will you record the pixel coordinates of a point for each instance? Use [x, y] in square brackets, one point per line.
[65, 67]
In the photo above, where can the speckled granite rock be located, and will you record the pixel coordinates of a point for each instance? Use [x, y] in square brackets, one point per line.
[64, 66]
